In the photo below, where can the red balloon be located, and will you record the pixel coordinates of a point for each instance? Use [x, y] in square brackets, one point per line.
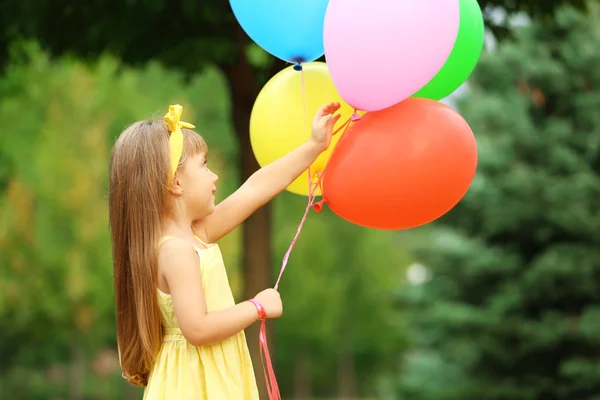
[401, 167]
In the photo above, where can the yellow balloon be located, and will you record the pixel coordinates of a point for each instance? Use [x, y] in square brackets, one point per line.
[279, 122]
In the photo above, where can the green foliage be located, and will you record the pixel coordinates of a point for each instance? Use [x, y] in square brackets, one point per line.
[186, 34]
[511, 308]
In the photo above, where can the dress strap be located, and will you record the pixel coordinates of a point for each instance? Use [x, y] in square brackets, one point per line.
[202, 241]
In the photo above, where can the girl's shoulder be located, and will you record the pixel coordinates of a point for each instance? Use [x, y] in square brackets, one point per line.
[175, 257]
[171, 245]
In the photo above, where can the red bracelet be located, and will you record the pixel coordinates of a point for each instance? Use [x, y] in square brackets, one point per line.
[262, 313]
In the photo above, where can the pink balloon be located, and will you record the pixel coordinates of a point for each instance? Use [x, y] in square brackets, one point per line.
[381, 52]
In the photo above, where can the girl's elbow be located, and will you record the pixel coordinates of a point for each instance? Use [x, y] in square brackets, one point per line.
[196, 341]
[199, 337]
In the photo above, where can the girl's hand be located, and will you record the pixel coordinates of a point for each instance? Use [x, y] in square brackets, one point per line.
[322, 125]
[271, 301]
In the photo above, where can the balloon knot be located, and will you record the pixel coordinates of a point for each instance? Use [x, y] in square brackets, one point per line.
[355, 117]
[318, 207]
[298, 66]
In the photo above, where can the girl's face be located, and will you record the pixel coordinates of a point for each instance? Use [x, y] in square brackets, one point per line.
[198, 184]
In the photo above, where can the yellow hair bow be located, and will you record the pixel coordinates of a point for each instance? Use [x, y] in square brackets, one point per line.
[176, 138]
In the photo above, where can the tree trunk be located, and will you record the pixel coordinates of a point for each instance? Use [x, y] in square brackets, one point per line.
[256, 230]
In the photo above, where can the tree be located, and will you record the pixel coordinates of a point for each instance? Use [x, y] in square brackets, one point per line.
[511, 307]
[186, 35]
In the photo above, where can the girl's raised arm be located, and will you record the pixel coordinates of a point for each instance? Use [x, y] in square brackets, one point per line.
[270, 180]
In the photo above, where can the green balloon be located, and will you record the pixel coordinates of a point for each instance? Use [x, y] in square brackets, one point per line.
[464, 55]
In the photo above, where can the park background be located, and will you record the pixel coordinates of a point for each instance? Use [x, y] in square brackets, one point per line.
[497, 300]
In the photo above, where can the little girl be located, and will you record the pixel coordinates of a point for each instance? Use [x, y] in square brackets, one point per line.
[179, 332]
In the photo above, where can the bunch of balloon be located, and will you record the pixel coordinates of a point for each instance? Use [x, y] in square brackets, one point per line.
[411, 158]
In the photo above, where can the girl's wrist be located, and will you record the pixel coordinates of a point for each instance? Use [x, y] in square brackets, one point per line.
[262, 313]
[315, 147]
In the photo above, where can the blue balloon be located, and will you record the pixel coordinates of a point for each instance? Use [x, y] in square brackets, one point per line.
[288, 29]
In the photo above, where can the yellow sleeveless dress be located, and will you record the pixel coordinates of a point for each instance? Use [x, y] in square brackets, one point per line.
[183, 371]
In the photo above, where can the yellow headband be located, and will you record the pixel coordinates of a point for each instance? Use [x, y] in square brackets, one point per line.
[176, 138]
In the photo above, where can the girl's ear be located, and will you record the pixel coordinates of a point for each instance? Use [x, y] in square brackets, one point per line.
[176, 187]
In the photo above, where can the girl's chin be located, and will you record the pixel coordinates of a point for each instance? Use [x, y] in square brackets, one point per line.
[206, 211]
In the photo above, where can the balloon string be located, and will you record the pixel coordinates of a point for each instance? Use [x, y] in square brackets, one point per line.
[312, 188]
[270, 378]
[304, 98]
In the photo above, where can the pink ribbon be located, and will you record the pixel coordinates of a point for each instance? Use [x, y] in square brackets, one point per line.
[265, 357]
[270, 378]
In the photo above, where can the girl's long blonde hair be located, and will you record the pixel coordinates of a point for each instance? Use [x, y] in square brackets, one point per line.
[139, 174]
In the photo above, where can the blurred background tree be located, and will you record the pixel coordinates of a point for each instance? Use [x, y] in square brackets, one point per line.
[56, 307]
[512, 306]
